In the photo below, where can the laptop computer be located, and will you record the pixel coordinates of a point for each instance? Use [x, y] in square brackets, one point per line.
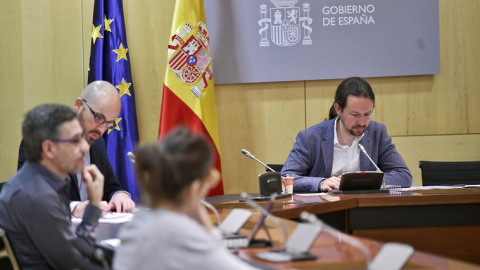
[360, 182]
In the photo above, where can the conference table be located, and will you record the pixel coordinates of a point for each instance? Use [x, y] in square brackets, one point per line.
[332, 253]
[442, 221]
[413, 217]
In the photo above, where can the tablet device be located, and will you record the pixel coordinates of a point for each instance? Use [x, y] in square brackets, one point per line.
[296, 247]
[234, 221]
[392, 256]
[361, 182]
[240, 241]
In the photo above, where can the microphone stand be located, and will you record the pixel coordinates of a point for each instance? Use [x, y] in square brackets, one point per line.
[308, 217]
[374, 164]
[253, 204]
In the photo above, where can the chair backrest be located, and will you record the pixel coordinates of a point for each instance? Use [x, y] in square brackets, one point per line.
[435, 173]
[276, 167]
[7, 258]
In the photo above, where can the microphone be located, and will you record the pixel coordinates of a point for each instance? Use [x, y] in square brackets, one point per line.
[369, 158]
[266, 213]
[248, 154]
[311, 218]
[131, 156]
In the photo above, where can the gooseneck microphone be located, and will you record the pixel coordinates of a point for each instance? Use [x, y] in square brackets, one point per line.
[311, 218]
[369, 158]
[248, 154]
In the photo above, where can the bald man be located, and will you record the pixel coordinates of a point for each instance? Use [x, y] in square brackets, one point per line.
[97, 107]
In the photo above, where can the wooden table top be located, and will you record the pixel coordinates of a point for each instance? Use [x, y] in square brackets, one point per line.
[332, 253]
[291, 208]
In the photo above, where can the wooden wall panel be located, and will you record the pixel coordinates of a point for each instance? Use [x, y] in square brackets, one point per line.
[468, 23]
[262, 118]
[87, 19]
[148, 32]
[11, 85]
[436, 148]
[319, 97]
[52, 50]
[413, 105]
[42, 58]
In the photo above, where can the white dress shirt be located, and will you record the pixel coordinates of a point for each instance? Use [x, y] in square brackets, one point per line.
[345, 158]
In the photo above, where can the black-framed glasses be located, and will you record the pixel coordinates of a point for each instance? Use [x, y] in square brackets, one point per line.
[100, 119]
[68, 140]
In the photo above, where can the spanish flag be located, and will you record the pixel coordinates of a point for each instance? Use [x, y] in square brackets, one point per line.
[188, 93]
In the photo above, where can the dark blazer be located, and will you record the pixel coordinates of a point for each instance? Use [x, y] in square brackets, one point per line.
[98, 156]
[311, 159]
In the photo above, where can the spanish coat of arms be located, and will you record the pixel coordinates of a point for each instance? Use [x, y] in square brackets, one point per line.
[285, 24]
[191, 57]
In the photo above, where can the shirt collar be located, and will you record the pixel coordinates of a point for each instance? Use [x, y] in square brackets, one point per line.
[51, 178]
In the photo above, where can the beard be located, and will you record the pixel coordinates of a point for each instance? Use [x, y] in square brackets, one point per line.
[357, 130]
[88, 137]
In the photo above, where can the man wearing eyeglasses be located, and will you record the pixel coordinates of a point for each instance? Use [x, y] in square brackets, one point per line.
[97, 107]
[33, 203]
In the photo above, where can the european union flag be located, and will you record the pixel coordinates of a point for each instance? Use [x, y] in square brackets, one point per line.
[109, 61]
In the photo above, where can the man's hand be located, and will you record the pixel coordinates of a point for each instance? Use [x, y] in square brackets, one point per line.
[93, 178]
[330, 183]
[79, 209]
[122, 203]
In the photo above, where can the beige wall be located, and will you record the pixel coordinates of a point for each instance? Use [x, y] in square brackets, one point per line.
[45, 47]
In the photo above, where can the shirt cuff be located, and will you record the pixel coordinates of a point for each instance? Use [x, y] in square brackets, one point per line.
[320, 185]
[73, 204]
[121, 191]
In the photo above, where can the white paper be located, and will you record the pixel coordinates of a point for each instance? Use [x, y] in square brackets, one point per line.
[430, 188]
[110, 217]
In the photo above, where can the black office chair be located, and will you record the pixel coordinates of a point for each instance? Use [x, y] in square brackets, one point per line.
[437, 173]
[7, 258]
[276, 167]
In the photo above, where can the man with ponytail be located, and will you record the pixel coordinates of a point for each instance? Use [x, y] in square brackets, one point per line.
[324, 151]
